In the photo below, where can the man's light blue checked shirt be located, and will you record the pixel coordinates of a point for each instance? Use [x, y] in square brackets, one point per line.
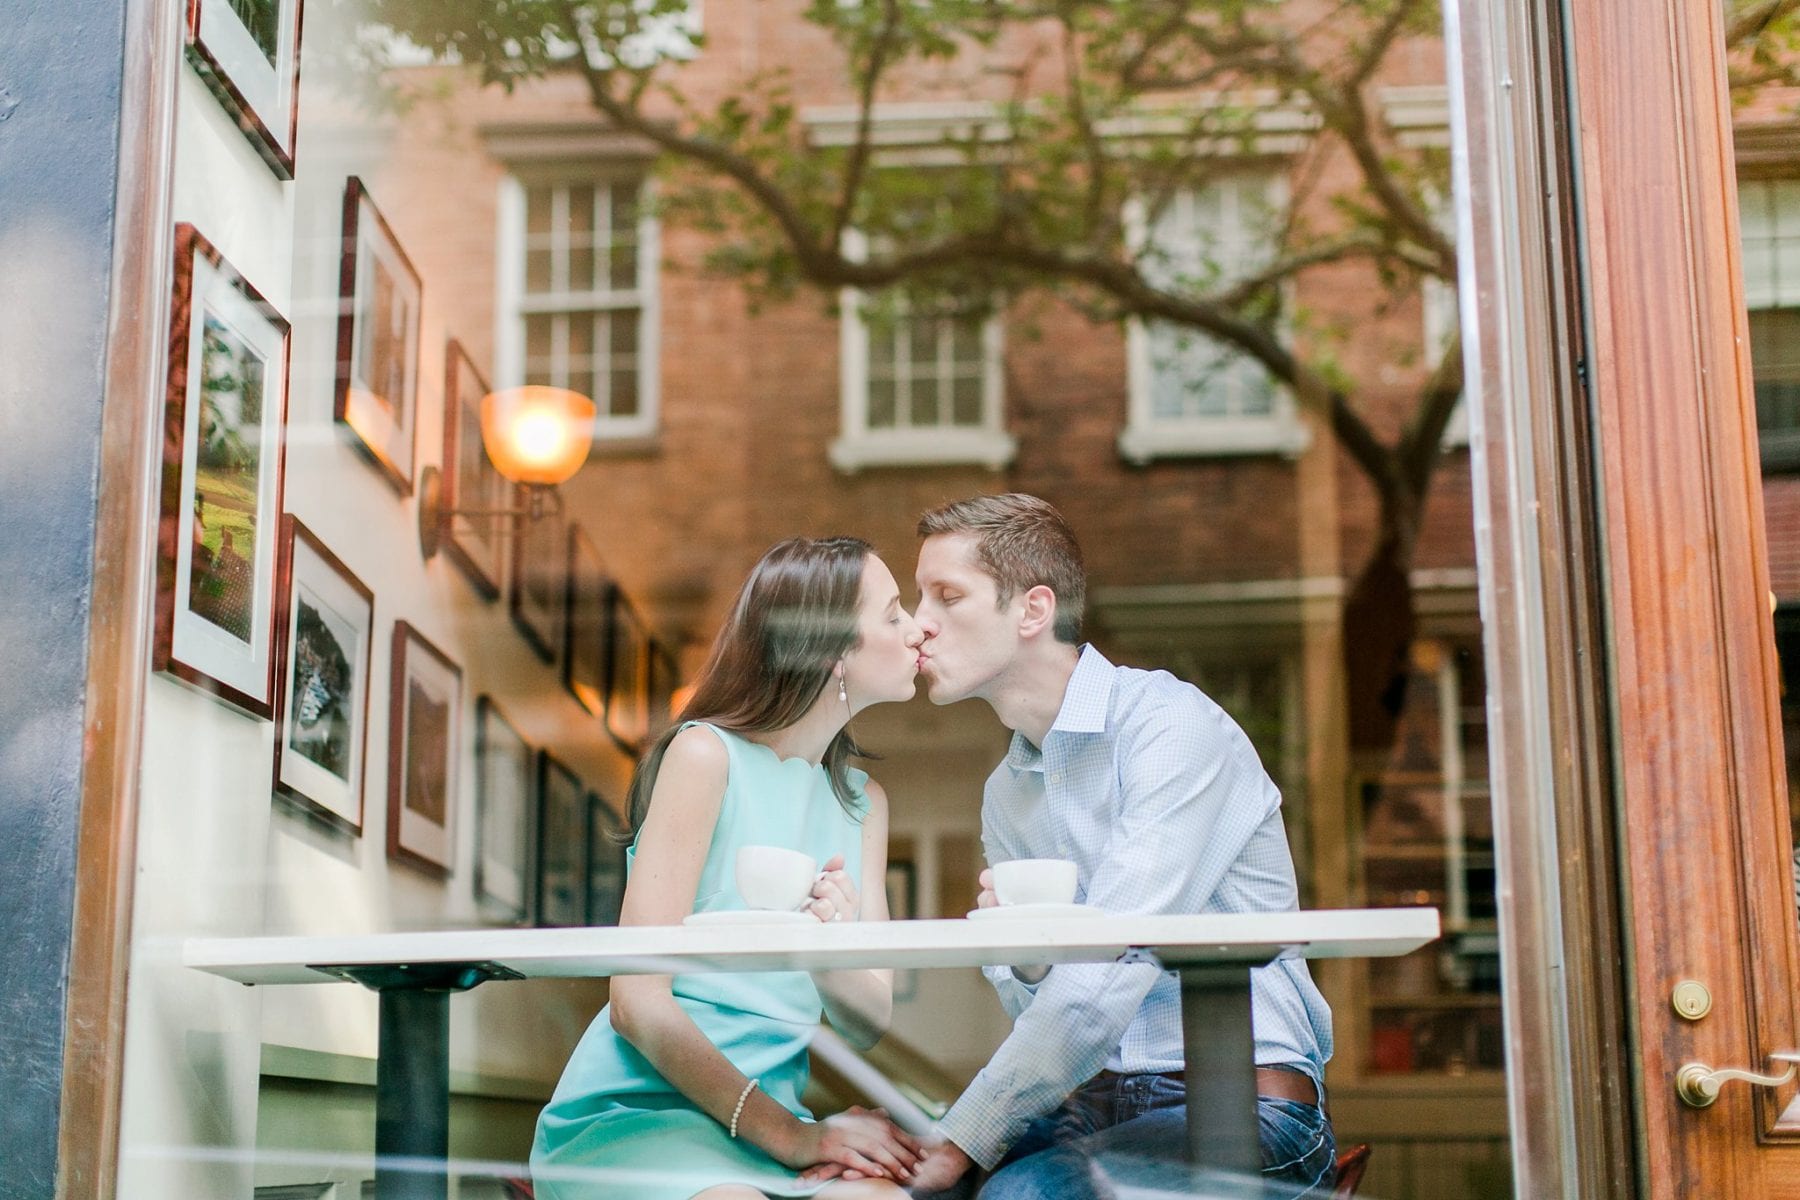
[1158, 797]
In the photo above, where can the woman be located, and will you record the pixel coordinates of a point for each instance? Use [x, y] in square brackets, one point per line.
[690, 1086]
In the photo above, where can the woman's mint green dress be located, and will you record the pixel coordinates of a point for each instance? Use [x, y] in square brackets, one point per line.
[616, 1129]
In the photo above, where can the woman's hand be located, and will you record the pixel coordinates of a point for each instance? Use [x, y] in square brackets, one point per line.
[857, 1142]
[834, 895]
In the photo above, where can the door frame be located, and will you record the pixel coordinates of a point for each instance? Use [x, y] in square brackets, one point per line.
[1537, 537]
[1641, 814]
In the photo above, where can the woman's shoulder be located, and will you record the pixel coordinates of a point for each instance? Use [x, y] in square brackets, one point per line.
[700, 748]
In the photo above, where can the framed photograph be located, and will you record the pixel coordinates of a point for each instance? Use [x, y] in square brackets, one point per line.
[627, 675]
[606, 863]
[903, 905]
[665, 680]
[248, 52]
[327, 629]
[504, 768]
[478, 546]
[540, 564]
[378, 340]
[562, 877]
[223, 442]
[584, 655]
[424, 706]
[902, 891]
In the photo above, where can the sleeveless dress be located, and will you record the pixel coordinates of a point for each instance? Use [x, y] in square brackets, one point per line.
[615, 1129]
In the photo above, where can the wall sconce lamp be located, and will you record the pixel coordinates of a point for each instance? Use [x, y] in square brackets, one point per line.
[535, 436]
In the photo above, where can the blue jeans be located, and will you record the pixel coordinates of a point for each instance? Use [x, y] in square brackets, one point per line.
[1133, 1128]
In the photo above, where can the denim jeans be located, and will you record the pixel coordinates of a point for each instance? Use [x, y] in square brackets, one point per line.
[1133, 1128]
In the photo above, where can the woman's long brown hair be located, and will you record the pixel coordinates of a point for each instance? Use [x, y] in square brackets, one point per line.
[794, 618]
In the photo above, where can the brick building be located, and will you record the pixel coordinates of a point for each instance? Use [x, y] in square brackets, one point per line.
[1223, 528]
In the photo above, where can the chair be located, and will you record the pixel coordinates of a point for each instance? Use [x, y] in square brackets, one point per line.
[1350, 1167]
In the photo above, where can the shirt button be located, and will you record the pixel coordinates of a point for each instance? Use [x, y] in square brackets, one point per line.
[1056, 778]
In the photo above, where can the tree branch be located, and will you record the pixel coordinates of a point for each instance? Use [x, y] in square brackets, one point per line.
[1379, 45]
[1076, 85]
[1422, 441]
[739, 168]
[1751, 22]
[857, 167]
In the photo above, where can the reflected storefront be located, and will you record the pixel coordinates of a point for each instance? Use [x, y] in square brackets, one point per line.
[463, 358]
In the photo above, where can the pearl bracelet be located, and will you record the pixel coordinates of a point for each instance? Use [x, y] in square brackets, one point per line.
[739, 1110]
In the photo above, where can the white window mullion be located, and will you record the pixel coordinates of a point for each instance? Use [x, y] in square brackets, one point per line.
[902, 369]
[946, 373]
[559, 240]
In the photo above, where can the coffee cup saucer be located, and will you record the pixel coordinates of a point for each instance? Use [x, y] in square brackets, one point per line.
[1018, 912]
[750, 916]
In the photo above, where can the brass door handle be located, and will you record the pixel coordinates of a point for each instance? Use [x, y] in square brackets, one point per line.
[1698, 1084]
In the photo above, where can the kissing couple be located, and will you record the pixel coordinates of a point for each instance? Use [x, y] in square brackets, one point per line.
[688, 1087]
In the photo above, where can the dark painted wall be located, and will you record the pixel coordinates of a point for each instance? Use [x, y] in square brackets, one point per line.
[60, 74]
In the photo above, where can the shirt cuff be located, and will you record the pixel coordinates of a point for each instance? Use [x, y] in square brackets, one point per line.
[978, 1130]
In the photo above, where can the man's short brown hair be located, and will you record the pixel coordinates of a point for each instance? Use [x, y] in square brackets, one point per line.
[1022, 542]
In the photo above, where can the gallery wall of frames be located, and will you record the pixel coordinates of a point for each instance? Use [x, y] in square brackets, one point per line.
[341, 735]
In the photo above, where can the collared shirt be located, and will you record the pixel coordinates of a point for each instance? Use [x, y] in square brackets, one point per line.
[1162, 803]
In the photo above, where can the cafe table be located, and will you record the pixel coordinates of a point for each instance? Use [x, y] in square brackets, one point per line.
[416, 973]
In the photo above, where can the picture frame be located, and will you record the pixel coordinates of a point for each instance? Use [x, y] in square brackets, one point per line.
[606, 862]
[505, 806]
[562, 874]
[902, 884]
[248, 53]
[537, 589]
[627, 674]
[424, 748]
[326, 627]
[584, 651]
[476, 545]
[379, 294]
[224, 446]
[665, 681]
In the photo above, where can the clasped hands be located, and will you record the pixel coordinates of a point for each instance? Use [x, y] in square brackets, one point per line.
[861, 1143]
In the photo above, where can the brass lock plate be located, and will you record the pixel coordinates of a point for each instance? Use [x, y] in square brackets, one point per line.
[1691, 1000]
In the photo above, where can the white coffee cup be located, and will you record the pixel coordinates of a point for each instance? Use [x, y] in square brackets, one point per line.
[774, 877]
[1035, 881]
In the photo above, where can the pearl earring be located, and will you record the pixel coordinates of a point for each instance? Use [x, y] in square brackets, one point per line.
[843, 691]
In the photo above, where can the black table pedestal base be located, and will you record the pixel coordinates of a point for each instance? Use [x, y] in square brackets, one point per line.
[1220, 1048]
[412, 1072]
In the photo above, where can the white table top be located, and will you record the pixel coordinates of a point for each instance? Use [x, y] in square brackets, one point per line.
[1253, 938]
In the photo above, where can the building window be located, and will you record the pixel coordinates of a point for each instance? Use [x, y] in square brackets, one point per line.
[1787, 654]
[578, 277]
[1191, 394]
[919, 387]
[1423, 833]
[1770, 214]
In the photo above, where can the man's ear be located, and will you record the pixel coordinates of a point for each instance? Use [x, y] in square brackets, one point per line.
[1040, 612]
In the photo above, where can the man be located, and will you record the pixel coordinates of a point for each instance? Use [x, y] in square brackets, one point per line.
[1164, 806]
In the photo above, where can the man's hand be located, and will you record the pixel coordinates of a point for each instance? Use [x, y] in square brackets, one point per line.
[988, 899]
[944, 1163]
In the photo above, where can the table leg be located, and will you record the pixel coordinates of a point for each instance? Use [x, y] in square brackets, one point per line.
[412, 1069]
[412, 1096]
[1220, 1047]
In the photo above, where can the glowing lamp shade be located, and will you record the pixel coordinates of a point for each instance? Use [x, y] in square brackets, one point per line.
[537, 434]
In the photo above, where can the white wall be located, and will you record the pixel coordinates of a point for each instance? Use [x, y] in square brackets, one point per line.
[215, 856]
